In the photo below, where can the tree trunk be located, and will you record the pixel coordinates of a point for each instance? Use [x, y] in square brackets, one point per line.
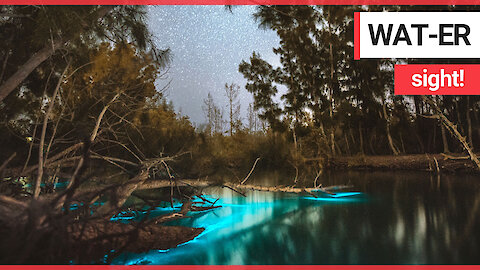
[418, 112]
[39, 57]
[389, 136]
[295, 141]
[444, 140]
[403, 144]
[469, 123]
[38, 181]
[332, 72]
[22, 73]
[121, 194]
[362, 151]
[444, 135]
[459, 119]
[347, 144]
[453, 130]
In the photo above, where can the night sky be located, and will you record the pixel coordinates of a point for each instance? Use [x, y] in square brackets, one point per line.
[207, 44]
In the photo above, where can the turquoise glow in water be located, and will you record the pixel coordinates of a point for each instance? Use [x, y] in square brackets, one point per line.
[400, 218]
[238, 221]
[59, 185]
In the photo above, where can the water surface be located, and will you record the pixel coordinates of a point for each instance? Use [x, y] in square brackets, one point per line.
[400, 218]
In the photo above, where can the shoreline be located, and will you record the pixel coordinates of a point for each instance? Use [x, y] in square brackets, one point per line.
[439, 163]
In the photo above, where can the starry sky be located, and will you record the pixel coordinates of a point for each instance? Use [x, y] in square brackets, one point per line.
[207, 44]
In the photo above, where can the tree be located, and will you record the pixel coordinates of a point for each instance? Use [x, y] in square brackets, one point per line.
[253, 120]
[213, 115]
[52, 29]
[231, 92]
[261, 77]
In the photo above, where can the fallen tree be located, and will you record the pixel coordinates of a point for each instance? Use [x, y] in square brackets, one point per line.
[452, 128]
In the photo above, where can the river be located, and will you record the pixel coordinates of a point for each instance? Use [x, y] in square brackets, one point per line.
[399, 218]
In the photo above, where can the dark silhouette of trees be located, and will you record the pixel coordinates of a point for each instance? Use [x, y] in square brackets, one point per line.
[343, 106]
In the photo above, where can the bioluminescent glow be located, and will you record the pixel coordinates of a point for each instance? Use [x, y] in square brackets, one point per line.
[345, 194]
[240, 221]
[56, 185]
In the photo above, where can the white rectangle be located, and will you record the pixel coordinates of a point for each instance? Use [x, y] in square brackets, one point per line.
[453, 25]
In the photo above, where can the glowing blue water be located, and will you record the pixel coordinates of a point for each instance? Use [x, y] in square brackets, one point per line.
[239, 222]
[401, 218]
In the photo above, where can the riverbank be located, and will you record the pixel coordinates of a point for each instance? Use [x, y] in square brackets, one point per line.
[131, 238]
[419, 162]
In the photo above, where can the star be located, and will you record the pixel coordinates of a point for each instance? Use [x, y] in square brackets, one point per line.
[207, 45]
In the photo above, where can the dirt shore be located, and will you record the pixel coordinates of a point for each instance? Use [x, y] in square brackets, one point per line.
[421, 162]
[103, 237]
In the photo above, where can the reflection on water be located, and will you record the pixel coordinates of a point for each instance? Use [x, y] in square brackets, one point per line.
[402, 218]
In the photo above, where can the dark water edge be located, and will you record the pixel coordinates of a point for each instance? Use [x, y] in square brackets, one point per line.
[401, 218]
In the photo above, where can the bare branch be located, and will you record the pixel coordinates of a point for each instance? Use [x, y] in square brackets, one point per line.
[253, 168]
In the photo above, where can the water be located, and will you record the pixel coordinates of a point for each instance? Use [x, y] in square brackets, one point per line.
[401, 218]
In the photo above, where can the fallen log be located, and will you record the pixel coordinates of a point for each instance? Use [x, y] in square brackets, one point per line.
[288, 189]
[201, 184]
[452, 128]
[236, 187]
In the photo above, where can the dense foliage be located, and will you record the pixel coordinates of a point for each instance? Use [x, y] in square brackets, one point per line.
[333, 105]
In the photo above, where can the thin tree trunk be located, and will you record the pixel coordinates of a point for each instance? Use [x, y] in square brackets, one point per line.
[370, 142]
[444, 140]
[346, 143]
[4, 66]
[295, 140]
[434, 137]
[457, 111]
[100, 117]
[403, 144]
[231, 116]
[5, 163]
[332, 72]
[38, 181]
[389, 136]
[351, 136]
[469, 123]
[50, 143]
[30, 149]
[361, 138]
[418, 112]
[444, 135]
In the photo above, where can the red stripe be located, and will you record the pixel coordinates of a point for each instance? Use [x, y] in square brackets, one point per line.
[356, 36]
[243, 267]
[240, 2]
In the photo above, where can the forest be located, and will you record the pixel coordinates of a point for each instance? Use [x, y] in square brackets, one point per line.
[85, 124]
